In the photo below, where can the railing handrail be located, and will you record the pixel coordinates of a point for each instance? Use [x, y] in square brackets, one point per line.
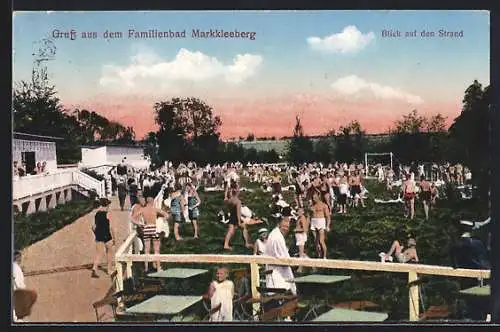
[71, 174]
[99, 184]
[85, 175]
[83, 166]
[45, 174]
[308, 262]
[124, 246]
[42, 182]
[413, 270]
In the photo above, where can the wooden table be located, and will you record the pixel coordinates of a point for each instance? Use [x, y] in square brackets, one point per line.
[347, 315]
[477, 301]
[177, 273]
[477, 291]
[322, 280]
[164, 305]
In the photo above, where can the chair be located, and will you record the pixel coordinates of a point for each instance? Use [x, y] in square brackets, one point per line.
[131, 294]
[241, 308]
[108, 299]
[288, 309]
[23, 301]
[288, 304]
[208, 308]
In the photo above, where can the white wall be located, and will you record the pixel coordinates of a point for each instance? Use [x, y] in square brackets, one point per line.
[115, 154]
[44, 151]
[93, 156]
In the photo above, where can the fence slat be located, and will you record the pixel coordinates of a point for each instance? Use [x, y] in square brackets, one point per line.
[413, 296]
[307, 262]
[123, 257]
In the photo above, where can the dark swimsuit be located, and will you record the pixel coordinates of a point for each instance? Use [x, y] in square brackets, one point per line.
[233, 216]
[323, 195]
[426, 195]
[102, 231]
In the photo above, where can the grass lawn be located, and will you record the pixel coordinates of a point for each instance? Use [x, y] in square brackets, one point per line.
[359, 235]
[29, 229]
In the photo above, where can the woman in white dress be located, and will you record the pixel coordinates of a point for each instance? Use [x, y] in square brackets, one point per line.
[260, 245]
[221, 293]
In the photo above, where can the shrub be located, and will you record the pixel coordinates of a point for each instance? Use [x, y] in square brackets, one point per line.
[29, 229]
[93, 174]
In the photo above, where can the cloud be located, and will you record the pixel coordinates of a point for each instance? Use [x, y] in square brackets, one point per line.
[350, 40]
[187, 66]
[355, 86]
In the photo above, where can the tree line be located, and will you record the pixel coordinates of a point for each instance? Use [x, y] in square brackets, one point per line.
[37, 109]
[189, 130]
[413, 138]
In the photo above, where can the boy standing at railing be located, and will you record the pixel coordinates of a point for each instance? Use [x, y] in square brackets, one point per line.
[301, 230]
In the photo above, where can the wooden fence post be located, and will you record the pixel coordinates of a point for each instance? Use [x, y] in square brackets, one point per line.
[129, 269]
[255, 281]
[129, 262]
[413, 296]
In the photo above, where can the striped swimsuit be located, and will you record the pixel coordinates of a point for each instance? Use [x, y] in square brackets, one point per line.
[149, 232]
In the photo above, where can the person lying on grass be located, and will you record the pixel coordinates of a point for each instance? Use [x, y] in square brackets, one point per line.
[409, 255]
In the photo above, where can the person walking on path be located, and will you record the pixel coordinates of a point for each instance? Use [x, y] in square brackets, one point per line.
[105, 236]
[133, 190]
[122, 191]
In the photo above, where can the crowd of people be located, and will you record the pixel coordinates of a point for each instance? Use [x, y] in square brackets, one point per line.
[19, 169]
[169, 195]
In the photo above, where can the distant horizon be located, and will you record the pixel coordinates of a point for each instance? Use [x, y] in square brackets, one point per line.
[260, 69]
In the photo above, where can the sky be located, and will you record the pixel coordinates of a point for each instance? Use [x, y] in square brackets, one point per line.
[328, 67]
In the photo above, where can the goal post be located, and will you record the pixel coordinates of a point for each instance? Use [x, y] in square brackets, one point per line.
[390, 154]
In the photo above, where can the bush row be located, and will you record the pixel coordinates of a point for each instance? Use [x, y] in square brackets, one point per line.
[29, 229]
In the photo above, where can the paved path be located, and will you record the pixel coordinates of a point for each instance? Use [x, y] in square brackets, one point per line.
[68, 296]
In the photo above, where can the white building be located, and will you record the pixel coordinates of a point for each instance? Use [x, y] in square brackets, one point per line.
[39, 192]
[112, 154]
[33, 149]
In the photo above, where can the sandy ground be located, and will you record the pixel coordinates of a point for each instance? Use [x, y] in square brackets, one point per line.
[68, 296]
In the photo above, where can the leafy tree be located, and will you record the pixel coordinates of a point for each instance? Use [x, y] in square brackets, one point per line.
[409, 140]
[188, 128]
[251, 155]
[436, 124]
[300, 147]
[268, 156]
[35, 105]
[350, 142]
[470, 134]
[437, 138]
[250, 137]
[411, 123]
[151, 149]
[37, 109]
[324, 148]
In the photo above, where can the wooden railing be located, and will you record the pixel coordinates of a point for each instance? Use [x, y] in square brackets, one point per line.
[88, 182]
[124, 258]
[33, 184]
